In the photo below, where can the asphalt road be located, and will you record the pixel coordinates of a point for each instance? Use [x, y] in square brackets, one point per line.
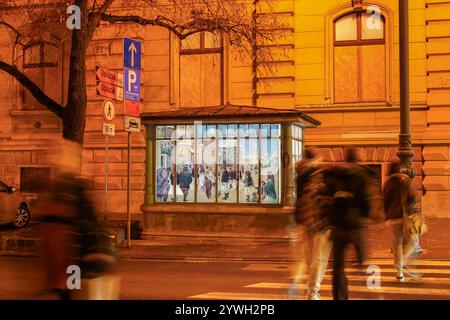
[22, 278]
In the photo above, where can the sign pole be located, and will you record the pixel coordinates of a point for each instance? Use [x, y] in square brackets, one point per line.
[106, 176]
[129, 193]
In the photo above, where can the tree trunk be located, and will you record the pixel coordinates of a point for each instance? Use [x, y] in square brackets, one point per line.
[74, 115]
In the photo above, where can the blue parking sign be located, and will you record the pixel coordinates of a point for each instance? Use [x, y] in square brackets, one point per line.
[132, 51]
[132, 84]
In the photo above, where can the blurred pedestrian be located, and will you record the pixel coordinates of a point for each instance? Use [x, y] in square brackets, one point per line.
[347, 188]
[313, 224]
[57, 212]
[399, 207]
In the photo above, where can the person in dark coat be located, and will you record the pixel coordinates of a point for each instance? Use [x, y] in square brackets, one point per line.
[185, 180]
[399, 199]
[347, 186]
[248, 185]
[224, 182]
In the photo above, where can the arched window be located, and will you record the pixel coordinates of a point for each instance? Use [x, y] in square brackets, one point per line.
[201, 65]
[41, 65]
[359, 58]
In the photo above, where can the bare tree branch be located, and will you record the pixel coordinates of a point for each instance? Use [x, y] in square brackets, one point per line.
[40, 96]
[6, 24]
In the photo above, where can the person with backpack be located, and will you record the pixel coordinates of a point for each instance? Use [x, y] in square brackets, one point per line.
[315, 228]
[399, 206]
[347, 188]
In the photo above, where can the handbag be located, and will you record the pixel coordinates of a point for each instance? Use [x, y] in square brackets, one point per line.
[413, 222]
[105, 287]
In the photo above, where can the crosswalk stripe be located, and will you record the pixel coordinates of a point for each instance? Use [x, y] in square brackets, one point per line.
[244, 296]
[393, 270]
[356, 288]
[351, 277]
[385, 267]
[440, 263]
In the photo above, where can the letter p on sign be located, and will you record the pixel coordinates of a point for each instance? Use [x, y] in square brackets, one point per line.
[132, 84]
[131, 79]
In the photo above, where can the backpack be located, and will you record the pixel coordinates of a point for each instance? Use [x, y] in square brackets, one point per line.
[341, 183]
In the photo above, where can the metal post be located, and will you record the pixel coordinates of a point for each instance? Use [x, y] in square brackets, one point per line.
[106, 177]
[129, 193]
[405, 152]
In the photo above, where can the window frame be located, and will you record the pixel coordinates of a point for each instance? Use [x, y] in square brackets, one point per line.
[41, 64]
[202, 49]
[359, 40]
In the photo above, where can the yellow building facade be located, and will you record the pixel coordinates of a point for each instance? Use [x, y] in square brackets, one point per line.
[336, 61]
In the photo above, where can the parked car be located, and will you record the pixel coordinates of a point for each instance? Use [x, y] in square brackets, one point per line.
[14, 207]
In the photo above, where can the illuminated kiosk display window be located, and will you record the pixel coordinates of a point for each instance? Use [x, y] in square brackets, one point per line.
[218, 163]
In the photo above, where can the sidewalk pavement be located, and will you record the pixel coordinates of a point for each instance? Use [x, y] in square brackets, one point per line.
[436, 245]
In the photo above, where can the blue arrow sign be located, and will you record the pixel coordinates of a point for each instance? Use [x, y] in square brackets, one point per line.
[132, 84]
[132, 51]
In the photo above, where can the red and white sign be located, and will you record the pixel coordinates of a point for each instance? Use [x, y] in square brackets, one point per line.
[132, 108]
[109, 77]
[109, 110]
[110, 91]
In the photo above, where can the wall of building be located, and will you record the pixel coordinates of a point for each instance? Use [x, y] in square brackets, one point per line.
[299, 77]
[436, 139]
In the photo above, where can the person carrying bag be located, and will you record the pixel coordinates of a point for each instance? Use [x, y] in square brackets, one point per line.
[97, 257]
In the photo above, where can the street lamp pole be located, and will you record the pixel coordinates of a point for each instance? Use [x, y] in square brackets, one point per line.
[405, 152]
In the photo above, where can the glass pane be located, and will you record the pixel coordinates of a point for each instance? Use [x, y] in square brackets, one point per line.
[346, 74]
[28, 101]
[170, 132]
[51, 54]
[248, 171]
[222, 131]
[206, 175]
[232, 130]
[190, 80]
[265, 130]
[191, 42]
[33, 54]
[211, 131]
[212, 40]
[275, 131]
[254, 130]
[164, 171]
[346, 28]
[189, 132]
[211, 70]
[373, 73]
[201, 131]
[160, 132]
[227, 167]
[270, 171]
[243, 130]
[181, 132]
[372, 26]
[52, 82]
[296, 132]
[185, 170]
